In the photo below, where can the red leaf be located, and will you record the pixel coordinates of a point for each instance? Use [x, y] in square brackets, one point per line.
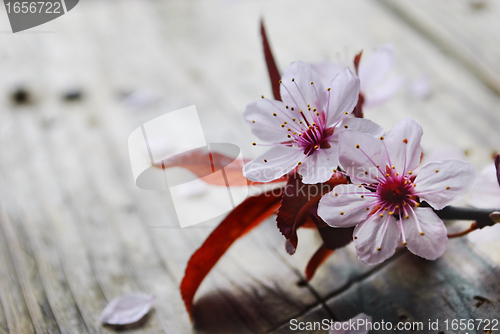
[204, 163]
[316, 260]
[242, 219]
[299, 204]
[274, 74]
[358, 109]
[357, 58]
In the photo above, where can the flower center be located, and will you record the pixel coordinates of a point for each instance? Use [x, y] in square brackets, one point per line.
[314, 138]
[395, 192]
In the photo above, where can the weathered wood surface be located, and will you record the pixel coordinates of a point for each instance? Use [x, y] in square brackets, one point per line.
[75, 232]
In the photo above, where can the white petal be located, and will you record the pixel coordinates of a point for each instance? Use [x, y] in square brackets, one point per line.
[383, 92]
[263, 124]
[361, 163]
[403, 144]
[376, 67]
[377, 238]
[319, 166]
[126, 309]
[342, 97]
[453, 179]
[486, 191]
[280, 160]
[432, 243]
[299, 92]
[346, 205]
[327, 70]
[362, 125]
[361, 329]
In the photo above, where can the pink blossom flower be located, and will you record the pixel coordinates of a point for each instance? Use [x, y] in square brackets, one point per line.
[384, 199]
[372, 72]
[303, 130]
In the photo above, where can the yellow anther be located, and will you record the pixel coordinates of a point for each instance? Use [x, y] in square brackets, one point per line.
[312, 82]
[282, 125]
[357, 146]
[448, 187]
[265, 160]
[315, 147]
[393, 167]
[417, 204]
[317, 113]
[391, 213]
[293, 79]
[336, 195]
[329, 89]
[405, 141]
[293, 119]
[345, 126]
[294, 133]
[254, 144]
[314, 109]
[274, 114]
[381, 215]
[341, 213]
[410, 172]
[253, 121]
[437, 170]
[381, 138]
[404, 243]
[422, 233]
[281, 81]
[379, 249]
[262, 96]
[299, 163]
[362, 196]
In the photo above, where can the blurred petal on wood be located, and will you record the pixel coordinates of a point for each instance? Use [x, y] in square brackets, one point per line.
[497, 167]
[274, 74]
[242, 219]
[126, 309]
[420, 87]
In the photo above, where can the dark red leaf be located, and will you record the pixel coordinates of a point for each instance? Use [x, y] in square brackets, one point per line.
[358, 110]
[274, 74]
[357, 58]
[242, 219]
[204, 163]
[316, 260]
[333, 237]
[298, 202]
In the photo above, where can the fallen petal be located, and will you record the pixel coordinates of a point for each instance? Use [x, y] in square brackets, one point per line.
[126, 309]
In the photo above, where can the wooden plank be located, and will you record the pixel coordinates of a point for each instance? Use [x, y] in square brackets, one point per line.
[17, 318]
[460, 285]
[466, 30]
[27, 273]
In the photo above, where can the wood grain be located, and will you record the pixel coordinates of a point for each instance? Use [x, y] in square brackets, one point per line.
[75, 231]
